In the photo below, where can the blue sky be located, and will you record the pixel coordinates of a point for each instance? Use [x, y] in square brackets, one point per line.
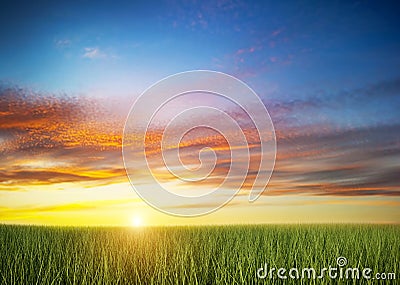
[328, 73]
[296, 48]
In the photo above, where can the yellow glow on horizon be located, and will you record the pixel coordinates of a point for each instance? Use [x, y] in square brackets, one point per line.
[78, 204]
[137, 221]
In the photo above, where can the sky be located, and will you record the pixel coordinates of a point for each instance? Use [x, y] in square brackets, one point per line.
[327, 72]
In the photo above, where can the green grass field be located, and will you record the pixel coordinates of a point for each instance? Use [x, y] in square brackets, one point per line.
[191, 255]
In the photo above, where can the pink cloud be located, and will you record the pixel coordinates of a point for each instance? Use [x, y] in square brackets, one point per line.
[247, 50]
[276, 32]
[240, 51]
[272, 44]
[273, 59]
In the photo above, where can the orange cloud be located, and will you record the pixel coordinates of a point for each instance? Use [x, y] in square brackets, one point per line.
[83, 144]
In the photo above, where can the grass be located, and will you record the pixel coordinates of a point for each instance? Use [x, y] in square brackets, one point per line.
[190, 255]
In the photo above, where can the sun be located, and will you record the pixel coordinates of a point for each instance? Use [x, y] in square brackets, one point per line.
[137, 221]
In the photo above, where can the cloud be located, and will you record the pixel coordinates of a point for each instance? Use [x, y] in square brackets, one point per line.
[35, 121]
[93, 53]
[316, 157]
[47, 177]
[62, 43]
[73, 133]
[276, 32]
[312, 160]
[76, 206]
[247, 50]
[318, 154]
[371, 105]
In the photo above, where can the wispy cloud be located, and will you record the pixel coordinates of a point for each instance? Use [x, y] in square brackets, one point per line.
[93, 53]
[67, 131]
[276, 32]
[317, 157]
[62, 43]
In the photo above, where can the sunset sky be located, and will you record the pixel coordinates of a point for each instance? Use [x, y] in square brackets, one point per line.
[328, 73]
